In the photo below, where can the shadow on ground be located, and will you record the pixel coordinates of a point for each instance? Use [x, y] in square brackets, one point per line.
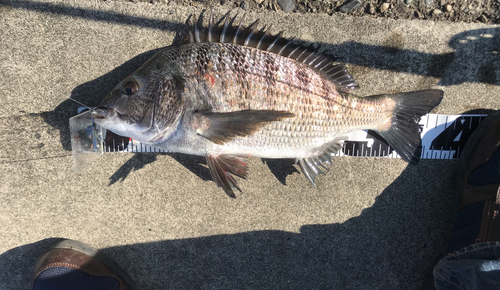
[369, 251]
[365, 252]
[475, 59]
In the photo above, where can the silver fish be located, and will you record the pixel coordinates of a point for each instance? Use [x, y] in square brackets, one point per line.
[228, 93]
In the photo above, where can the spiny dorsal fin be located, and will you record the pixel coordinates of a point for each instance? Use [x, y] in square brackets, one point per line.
[264, 40]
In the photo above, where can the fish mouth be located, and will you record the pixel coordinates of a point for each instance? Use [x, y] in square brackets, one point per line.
[100, 112]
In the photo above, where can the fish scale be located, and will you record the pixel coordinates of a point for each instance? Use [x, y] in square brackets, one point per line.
[234, 92]
[321, 111]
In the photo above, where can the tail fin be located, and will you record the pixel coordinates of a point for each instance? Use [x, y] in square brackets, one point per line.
[404, 133]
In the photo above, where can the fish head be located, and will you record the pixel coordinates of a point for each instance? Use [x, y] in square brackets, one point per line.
[145, 106]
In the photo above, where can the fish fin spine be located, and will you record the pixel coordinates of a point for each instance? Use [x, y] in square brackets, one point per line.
[222, 167]
[310, 166]
[264, 40]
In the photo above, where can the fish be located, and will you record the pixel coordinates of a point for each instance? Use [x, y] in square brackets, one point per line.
[230, 92]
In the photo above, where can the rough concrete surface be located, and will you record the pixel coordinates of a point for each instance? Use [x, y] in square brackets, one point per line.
[372, 223]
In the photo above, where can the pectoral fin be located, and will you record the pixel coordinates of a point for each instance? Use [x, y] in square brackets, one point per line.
[222, 166]
[222, 127]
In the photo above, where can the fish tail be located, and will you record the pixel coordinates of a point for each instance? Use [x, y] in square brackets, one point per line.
[404, 132]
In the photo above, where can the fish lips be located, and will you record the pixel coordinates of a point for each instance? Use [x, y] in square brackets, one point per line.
[102, 113]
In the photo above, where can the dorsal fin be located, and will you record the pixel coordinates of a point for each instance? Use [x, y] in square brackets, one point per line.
[264, 40]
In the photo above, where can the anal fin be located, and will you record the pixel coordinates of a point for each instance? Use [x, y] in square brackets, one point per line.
[222, 166]
[310, 166]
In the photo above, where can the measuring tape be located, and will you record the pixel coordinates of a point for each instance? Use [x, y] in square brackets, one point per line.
[443, 137]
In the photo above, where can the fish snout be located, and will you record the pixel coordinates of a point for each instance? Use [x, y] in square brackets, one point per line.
[102, 113]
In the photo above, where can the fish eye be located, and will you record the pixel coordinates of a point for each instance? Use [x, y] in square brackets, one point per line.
[130, 87]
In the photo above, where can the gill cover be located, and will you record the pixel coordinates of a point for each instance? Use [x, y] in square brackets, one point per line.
[141, 106]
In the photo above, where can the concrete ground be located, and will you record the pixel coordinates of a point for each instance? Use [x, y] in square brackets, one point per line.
[372, 223]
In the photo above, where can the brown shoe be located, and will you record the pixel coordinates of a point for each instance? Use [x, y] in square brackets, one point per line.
[70, 254]
[481, 145]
